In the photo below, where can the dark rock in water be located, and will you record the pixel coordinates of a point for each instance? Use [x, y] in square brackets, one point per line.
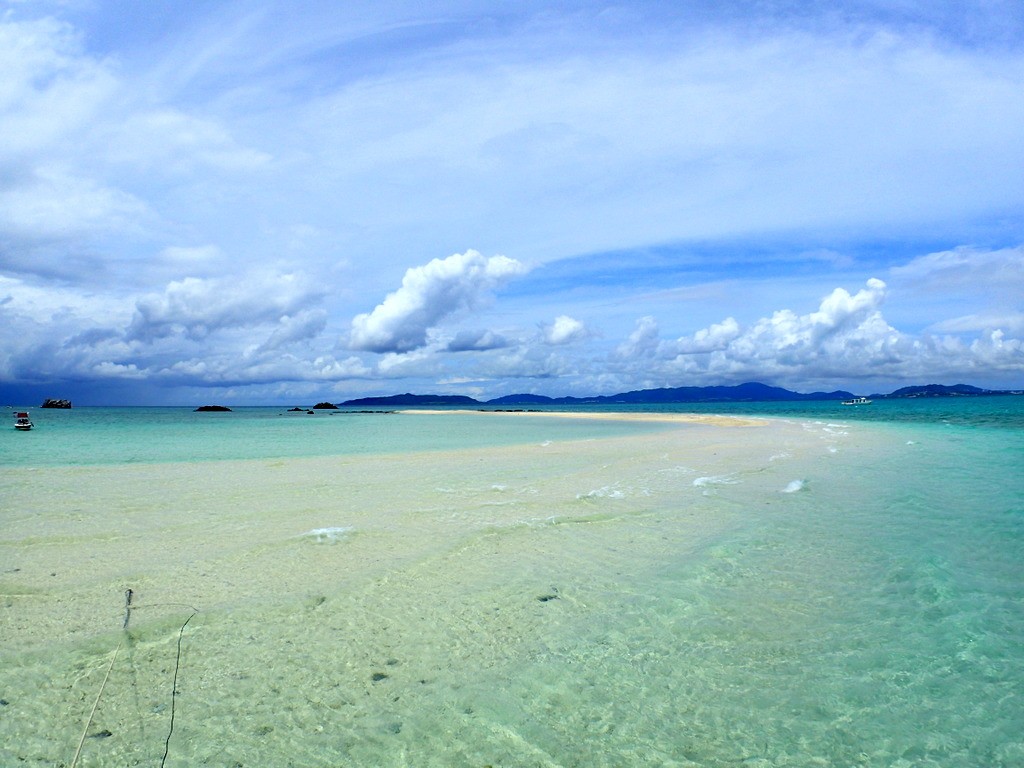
[378, 676]
[295, 410]
[203, 408]
[326, 406]
[104, 734]
[545, 598]
[51, 403]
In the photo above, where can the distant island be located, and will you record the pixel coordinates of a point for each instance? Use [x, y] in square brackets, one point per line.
[750, 392]
[941, 390]
[208, 408]
[52, 403]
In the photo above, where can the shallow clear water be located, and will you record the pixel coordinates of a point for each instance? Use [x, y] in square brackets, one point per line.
[87, 436]
[818, 591]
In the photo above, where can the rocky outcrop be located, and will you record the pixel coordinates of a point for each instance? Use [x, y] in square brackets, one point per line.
[325, 407]
[51, 403]
[202, 408]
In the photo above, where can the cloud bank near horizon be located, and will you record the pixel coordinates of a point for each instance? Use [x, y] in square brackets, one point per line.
[258, 203]
[415, 333]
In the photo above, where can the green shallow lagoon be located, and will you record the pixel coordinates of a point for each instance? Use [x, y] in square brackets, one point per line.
[813, 592]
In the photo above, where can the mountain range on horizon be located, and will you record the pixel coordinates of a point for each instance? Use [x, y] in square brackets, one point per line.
[748, 392]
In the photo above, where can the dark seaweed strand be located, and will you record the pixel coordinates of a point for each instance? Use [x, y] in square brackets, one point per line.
[174, 692]
[127, 608]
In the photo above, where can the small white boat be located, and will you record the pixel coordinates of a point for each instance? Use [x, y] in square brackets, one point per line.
[857, 401]
[22, 421]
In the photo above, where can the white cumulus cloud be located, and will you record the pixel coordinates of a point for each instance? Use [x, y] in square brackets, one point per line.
[564, 330]
[846, 332]
[642, 342]
[842, 324]
[195, 307]
[716, 337]
[428, 295]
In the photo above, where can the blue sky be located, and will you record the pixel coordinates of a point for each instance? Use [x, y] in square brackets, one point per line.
[285, 202]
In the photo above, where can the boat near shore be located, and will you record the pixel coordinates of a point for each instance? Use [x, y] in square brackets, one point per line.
[22, 422]
[857, 401]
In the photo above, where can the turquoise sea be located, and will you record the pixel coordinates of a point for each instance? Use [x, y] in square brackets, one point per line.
[808, 585]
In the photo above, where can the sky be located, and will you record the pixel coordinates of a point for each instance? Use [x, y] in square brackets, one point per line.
[285, 202]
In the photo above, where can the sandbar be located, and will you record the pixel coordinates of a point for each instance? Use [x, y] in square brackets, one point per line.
[647, 416]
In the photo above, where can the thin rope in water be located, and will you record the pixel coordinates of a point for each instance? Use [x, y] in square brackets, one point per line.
[174, 686]
[85, 731]
[174, 692]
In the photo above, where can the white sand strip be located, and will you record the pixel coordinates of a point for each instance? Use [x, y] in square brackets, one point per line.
[680, 418]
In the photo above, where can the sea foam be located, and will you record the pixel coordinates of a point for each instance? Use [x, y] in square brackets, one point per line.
[330, 535]
[700, 482]
[794, 486]
[606, 492]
